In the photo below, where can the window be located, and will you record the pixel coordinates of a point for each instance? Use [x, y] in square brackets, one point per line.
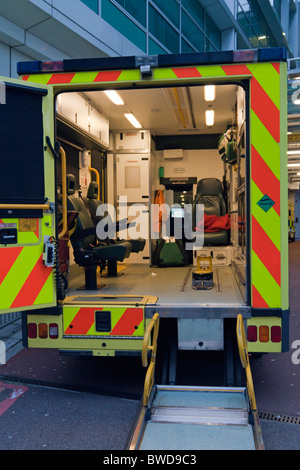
[195, 10]
[170, 9]
[92, 4]
[154, 48]
[123, 24]
[163, 31]
[185, 47]
[212, 32]
[192, 32]
[137, 9]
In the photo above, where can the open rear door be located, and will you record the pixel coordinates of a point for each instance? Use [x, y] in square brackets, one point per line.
[27, 197]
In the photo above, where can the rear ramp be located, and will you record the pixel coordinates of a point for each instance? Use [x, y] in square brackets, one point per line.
[174, 417]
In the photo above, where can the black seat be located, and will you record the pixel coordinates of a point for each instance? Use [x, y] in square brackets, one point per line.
[88, 251]
[210, 193]
[92, 202]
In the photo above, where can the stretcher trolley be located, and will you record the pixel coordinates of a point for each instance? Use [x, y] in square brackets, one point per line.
[174, 417]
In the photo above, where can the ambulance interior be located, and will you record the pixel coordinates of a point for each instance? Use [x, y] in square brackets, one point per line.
[187, 148]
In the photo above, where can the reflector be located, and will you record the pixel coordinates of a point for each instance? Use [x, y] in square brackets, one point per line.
[53, 330]
[43, 330]
[264, 334]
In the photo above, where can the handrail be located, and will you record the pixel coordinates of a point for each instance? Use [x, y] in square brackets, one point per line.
[43, 207]
[98, 180]
[244, 357]
[149, 379]
[243, 352]
[63, 191]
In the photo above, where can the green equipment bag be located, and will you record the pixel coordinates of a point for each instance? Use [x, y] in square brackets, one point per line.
[170, 254]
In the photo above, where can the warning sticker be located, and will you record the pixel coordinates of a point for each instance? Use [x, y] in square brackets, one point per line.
[28, 225]
[266, 203]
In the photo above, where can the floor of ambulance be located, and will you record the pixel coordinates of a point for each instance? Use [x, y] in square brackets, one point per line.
[172, 286]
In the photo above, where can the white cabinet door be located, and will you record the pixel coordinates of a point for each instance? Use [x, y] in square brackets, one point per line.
[133, 177]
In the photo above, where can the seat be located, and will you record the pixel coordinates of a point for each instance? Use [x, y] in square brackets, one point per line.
[92, 202]
[89, 252]
[210, 193]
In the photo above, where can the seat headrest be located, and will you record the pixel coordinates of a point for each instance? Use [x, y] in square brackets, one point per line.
[210, 186]
[71, 184]
[93, 189]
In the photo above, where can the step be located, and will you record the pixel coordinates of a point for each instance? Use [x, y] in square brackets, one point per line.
[201, 397]
[196, 415]
[187, 436]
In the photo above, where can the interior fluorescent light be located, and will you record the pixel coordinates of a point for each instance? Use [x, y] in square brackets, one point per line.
[133, 120]
[209, 117]
[293, 164]
[114, 97]
[294, 152]
[209, 92]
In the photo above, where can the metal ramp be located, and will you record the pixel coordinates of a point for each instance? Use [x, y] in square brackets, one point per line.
[174, 417]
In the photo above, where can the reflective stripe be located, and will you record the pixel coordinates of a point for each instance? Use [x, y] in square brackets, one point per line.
[128, 322]
[124, 321]
[24, 277]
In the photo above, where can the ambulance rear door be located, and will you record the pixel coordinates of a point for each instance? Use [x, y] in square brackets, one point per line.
[28, 238]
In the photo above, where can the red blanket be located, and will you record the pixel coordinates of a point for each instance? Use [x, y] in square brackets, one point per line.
[213, 223]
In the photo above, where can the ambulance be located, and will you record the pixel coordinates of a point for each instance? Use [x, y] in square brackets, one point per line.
[92, 147]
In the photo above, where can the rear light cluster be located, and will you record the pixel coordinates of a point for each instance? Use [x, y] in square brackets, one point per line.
[264, 334]
[42, 330]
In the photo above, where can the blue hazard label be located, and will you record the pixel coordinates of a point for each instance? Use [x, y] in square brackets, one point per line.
[265, 203]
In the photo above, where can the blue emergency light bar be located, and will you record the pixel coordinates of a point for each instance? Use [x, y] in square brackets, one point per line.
[166, 60]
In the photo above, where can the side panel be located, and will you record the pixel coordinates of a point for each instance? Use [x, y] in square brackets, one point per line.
[28, 178]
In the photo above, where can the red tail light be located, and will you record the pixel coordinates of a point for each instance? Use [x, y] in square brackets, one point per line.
[252, 333]
[276, 334]
[32, 330]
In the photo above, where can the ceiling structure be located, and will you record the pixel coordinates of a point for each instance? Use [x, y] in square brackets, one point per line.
[168, 111]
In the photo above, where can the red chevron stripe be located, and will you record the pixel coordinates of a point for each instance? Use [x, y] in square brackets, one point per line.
[265, 179]
[33, 285]
[257, 300]
[265, 249]
[110, 76]
[265, 109]
[236, 69]
[61, 78]
[82, 321]
[8, 258]
[128, 322]
[188, 72]
[276, 66]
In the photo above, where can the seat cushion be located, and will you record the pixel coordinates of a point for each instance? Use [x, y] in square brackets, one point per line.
[216, 238]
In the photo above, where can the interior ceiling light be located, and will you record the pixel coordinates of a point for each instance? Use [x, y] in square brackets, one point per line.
[209, 92]
[293, 164]
[209, 117]
[133, 120]
[294, 152]
[114, 97]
